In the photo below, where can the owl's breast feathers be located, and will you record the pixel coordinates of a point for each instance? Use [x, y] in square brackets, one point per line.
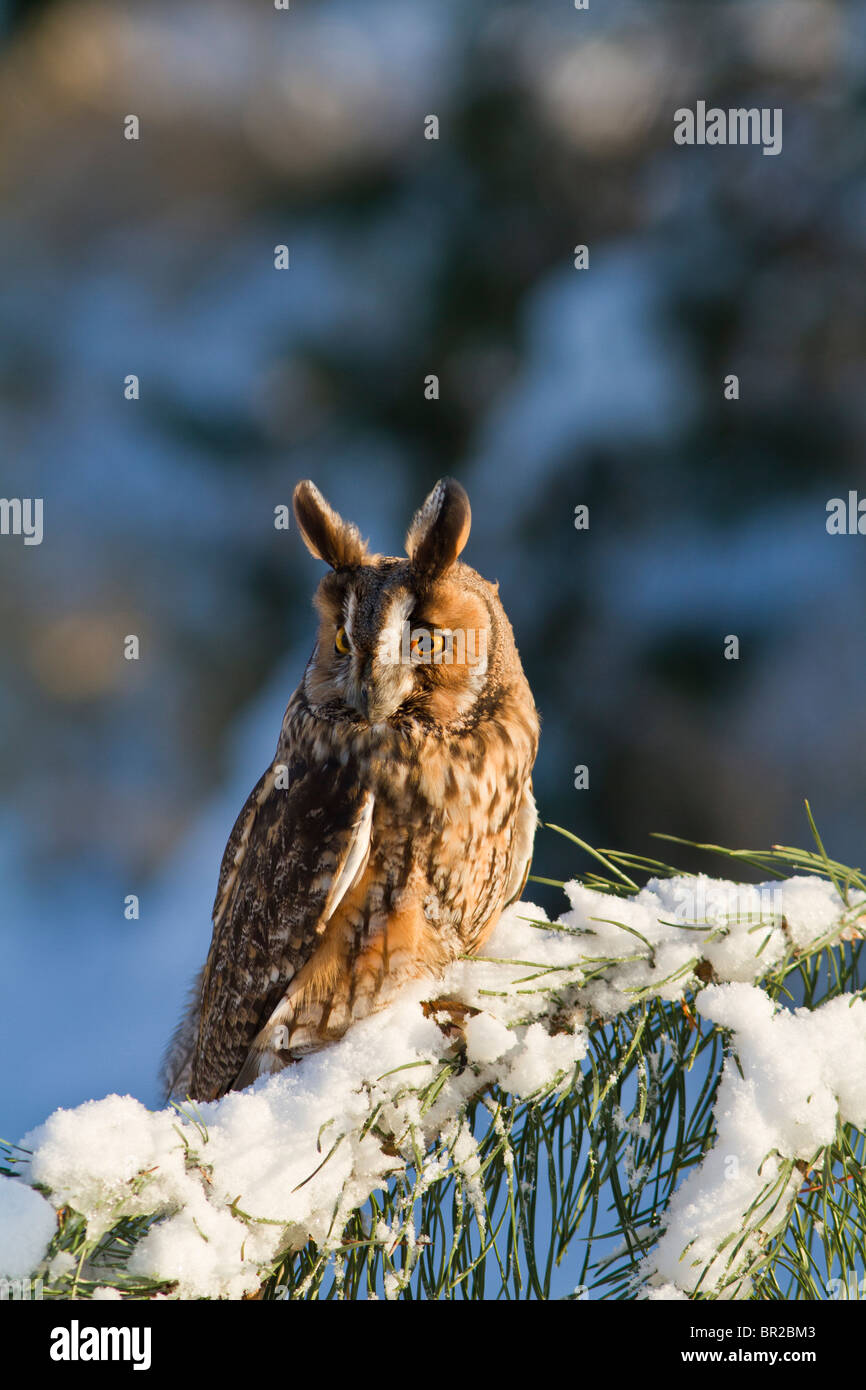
[364, 857]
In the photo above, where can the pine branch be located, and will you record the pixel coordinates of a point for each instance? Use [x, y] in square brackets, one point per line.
[532, 1146]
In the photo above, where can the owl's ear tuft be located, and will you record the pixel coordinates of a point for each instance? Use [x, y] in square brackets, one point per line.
[326, 535]
[439, 531]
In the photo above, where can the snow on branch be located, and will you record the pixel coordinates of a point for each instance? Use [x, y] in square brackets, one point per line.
[223, 1189]
[803, 1073]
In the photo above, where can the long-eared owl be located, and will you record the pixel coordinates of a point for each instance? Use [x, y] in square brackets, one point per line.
[396, 820]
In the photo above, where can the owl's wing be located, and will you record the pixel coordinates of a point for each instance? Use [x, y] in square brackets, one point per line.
[524, 837]
[294, 853]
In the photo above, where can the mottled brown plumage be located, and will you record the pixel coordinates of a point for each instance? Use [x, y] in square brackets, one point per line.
[397, 818]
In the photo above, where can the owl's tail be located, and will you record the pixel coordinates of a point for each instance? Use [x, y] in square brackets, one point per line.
[175, 1074]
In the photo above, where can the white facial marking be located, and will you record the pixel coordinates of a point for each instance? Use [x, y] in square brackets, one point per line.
[391, 631]
[351, 610]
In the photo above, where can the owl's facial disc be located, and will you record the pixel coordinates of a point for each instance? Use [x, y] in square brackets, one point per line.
[389, 649]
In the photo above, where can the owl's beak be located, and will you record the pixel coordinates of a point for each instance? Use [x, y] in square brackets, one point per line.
[365, 701]
[380, 693]
[372, 706]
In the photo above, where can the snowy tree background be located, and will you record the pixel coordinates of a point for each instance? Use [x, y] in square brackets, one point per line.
[558, 387]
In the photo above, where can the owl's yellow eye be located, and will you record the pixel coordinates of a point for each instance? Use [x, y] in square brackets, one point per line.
[341, 641]
[426, 646]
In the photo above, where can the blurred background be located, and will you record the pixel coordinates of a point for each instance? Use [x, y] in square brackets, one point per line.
[558, 387]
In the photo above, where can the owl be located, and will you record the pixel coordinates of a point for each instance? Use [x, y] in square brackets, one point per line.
[396, 820]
